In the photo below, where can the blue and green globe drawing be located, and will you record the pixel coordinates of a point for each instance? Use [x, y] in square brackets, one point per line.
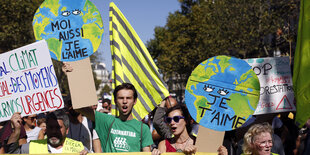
[222, 93]
[73, 29]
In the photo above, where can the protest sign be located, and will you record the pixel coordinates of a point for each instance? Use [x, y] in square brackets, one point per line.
[276, 90]
[81, 84]
[222, 93]
[72, 29]
[209, 140]
[28, 83]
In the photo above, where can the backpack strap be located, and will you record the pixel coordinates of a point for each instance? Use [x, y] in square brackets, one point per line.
[141, 137]
[109, 134]
[91, 126]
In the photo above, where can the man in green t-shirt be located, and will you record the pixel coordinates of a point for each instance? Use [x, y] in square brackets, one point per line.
[123, 133]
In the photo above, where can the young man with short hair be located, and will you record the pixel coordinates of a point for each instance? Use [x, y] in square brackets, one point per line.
[122, 133]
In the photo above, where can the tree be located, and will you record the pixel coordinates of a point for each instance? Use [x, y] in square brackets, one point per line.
[206, 28]
[16, 23]
[105, 89]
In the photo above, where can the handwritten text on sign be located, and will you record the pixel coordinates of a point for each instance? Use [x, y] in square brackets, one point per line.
[276, 91]
[73, 30]
[28, 82]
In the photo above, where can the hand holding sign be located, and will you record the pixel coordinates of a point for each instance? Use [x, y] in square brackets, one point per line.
[222, 92]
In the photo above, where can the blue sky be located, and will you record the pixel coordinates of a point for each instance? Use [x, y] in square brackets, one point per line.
[143, 15]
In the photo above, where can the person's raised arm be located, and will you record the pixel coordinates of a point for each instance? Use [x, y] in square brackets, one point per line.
[12, 145]
[159, 124]
[87, 111]
[16, 122]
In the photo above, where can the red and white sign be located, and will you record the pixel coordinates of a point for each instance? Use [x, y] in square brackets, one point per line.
[28, 83]
[276, 92]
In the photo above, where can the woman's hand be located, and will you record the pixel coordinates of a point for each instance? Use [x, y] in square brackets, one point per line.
[156, 152]
[190, 149]
[41, 134]
[222, 150]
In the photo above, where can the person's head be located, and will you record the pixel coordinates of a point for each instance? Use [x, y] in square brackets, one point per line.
[42, 123]
[106, 104]
[178, 118]
[258, 139]
[171, 102]
[57, 127]
[69, 108]
[30, 121]
[94, 107]
[125, 97]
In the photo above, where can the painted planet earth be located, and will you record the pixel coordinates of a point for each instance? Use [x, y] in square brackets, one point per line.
[72, 29]
[222, 93]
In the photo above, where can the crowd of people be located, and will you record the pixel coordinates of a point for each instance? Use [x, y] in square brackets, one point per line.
[169, 128]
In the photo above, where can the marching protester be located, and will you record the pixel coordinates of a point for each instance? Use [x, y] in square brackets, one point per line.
[56, 142]
[122, 133]
[258, 140]
[159, 124]
[177, 134]
[265, 119]
[106, 106]
[32, 130]
[5, 133]
[80, 128]
[178, 119]
[41, 122]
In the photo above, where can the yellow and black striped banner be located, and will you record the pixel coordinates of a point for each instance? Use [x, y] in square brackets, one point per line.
[132, 63]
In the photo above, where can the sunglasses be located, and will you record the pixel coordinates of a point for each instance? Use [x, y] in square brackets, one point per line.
[32, 118]
[174, 118]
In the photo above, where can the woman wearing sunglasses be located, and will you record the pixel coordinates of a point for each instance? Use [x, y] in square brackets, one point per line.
[178, 119]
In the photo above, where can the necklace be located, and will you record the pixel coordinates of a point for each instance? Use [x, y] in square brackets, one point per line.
[181, 149]
[183, 141]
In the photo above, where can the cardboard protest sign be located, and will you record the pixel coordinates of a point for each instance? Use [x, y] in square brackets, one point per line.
[28, 82]
[81, 84]
[209, 140]
[72, 29]
[222, 93]
[276, 88]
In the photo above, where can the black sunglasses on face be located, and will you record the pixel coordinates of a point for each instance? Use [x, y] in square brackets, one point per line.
[32, 118]
[174, 118]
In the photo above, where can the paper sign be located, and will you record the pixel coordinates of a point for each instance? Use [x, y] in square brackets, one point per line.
[28, 82]
[222, 93]
[81, 84]
[276, 91]
[209, 140]
[72, 29]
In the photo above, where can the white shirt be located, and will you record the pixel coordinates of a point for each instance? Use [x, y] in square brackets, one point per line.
[33, 134]
[53, 150]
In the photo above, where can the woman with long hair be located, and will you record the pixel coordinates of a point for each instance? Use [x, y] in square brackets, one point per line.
[178, 119]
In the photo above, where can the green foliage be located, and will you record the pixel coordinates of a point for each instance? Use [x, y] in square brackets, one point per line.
[16, 23]
[207, 28]
[105, 89]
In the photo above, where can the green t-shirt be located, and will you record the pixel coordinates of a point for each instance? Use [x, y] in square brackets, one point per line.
[124, 135]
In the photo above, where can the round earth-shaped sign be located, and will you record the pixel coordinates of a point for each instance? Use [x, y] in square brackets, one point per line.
[73, 30]
[222, 93]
